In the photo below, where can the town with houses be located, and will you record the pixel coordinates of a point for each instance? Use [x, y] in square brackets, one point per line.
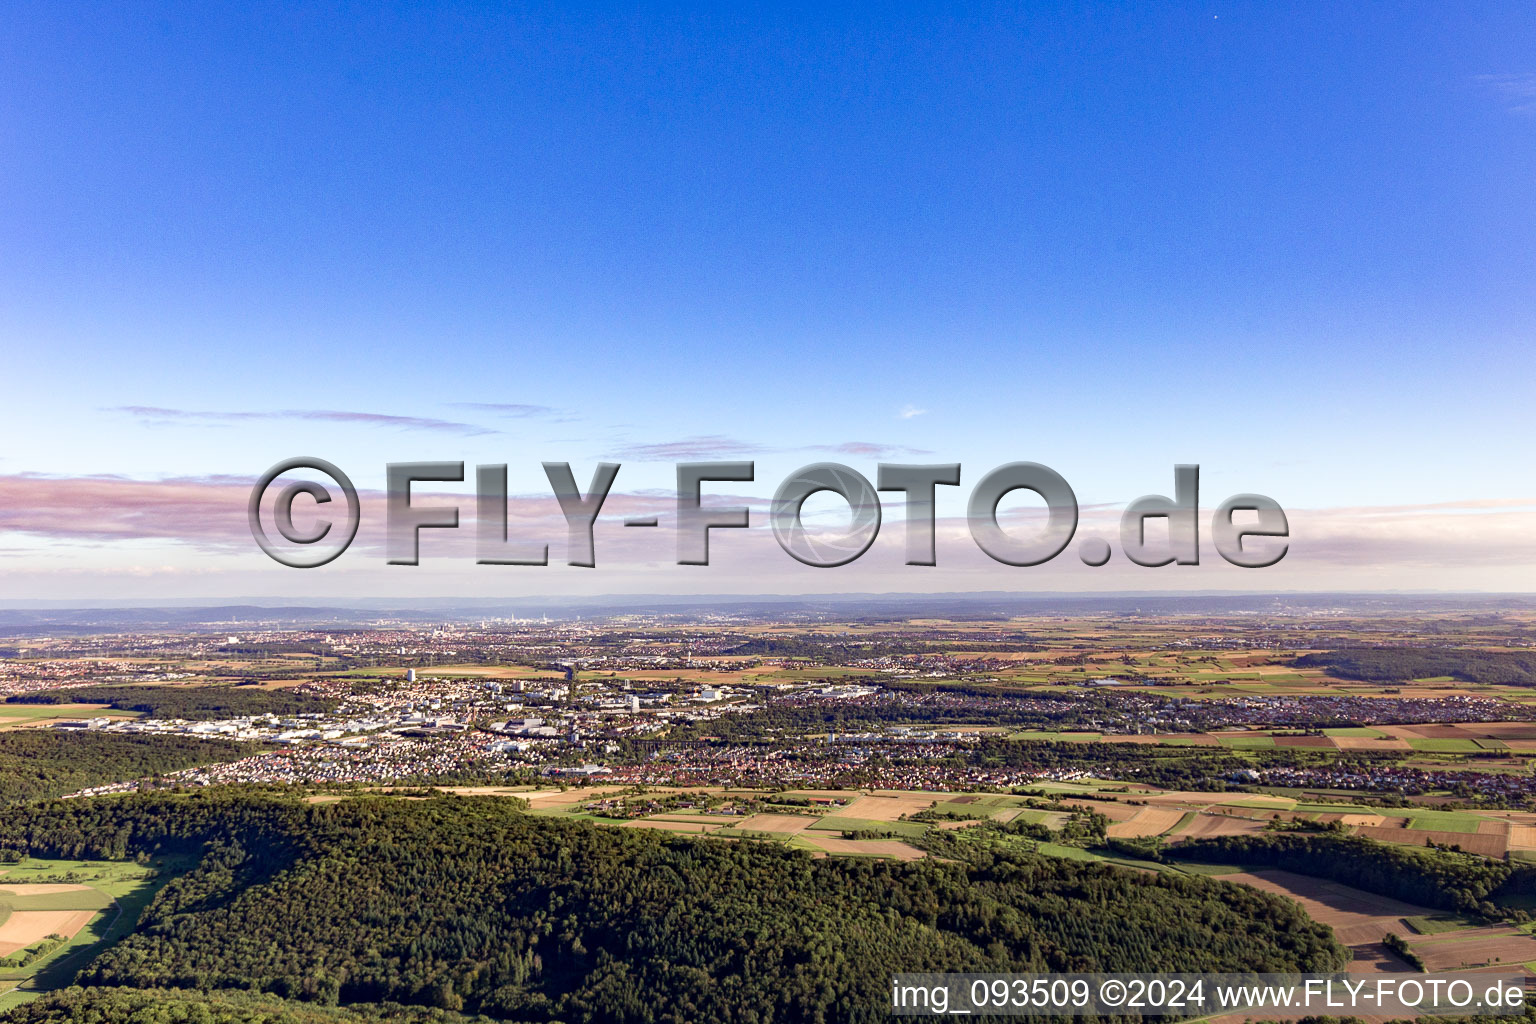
[647, 701]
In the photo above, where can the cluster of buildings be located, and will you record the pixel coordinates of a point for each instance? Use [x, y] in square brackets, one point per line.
[606, 699]
[391, 761]
[1500, 787]
[919, 766]
[1328, 710]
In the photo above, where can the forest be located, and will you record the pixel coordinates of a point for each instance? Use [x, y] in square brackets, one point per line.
[170, 1006]
[471, 905]
[40, 763]
[192, 703]
[1439, 878]
[1393, 664]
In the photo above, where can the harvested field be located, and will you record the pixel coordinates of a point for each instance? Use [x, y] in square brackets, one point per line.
[1522, 836]
[1487, 846]
[570, 798]
[692, 827]
[866, 847]
[1204, 825]
[890, 807]
[1356, 917]
[1503, 730]
[777, 822]
[1475, 946]
[1192, 799]
[1366, 743]
[25, 927]
[1114, 812]
[1191, 739]
[1366, 820]
[1149, 821]
[1308, 742]
[1376, 958]
[1435, 732]
[41, 888]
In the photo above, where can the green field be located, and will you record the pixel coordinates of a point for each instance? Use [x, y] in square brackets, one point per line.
[84, 899]
[1183, 822]
[1037, 817]
[837, 823]
[977, 807]
[119, 889]
[1356, 732]
[1079, 786]
[1192, 868]
[1259, 741]
[1445, 746]
[1435, 924]
[1272, 803]
[1069, 852]
[1444, 821]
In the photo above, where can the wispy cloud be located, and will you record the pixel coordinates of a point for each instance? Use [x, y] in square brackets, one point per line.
[709, 446]
[717, 446]
[910, 411]
[208, 513]
[203, 512]
[1517, 89]
[514, 410]
[868, 449]
[158, 414]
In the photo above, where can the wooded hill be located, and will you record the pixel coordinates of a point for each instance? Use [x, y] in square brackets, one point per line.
[469, 904]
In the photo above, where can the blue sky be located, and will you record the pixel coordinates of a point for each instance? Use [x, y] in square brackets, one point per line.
[1289, 242]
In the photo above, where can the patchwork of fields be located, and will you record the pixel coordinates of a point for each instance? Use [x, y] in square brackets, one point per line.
[55, 914]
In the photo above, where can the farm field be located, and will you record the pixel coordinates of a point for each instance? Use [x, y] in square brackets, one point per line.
[1474, 947]
[96, 905]
[1148, 821]
[1361, 920]
[1356, 917]
[1177, 815]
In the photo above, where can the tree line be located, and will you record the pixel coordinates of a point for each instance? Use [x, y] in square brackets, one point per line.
[192, 703]
[36, 764]
[1431, 877]
[1393, 664]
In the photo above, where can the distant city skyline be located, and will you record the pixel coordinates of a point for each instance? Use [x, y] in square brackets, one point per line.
[1289, 244]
